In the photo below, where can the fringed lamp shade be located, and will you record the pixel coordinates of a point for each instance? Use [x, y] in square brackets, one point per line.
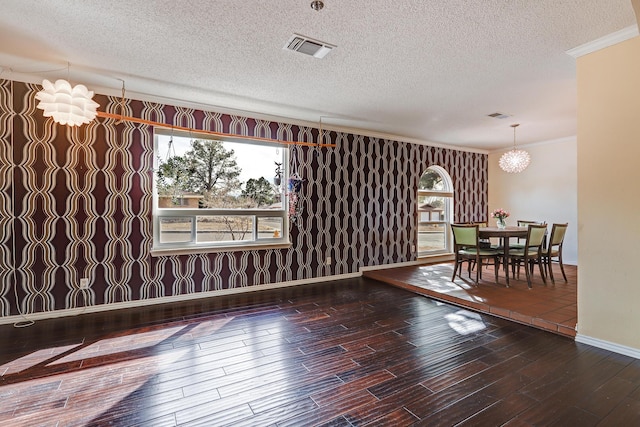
[67, 105]
[514, 161]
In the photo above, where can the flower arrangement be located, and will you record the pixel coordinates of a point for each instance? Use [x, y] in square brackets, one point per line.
[500, 214]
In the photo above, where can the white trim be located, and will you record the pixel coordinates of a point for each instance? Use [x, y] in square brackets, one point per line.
[191, 214]
[607, 345]
[188, 250]
[447, 209]
[54, 314]
[604, 42]
[535, 144]
[28, 77]
[169, 299]
[284, 119]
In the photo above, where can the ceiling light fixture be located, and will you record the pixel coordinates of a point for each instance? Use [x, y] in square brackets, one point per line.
[317, 5]
[67, 105]
[514, 160]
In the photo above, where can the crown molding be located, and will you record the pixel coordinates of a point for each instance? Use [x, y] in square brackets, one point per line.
[604, 42]
[36, 78]
[536, 144]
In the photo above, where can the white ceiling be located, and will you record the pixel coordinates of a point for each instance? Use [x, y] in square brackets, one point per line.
[421, 69]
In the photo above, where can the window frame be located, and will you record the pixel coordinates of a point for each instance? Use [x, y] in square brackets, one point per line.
[193, 246]
[447, 193]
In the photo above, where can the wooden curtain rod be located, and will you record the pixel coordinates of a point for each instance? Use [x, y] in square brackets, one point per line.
[208, 132]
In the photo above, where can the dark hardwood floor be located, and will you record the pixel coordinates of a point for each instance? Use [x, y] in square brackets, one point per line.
[344, 353]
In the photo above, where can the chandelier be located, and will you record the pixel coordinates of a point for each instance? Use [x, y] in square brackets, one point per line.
[67, 105]
[514, 160]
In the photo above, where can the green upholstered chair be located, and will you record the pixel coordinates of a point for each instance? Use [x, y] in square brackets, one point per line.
[520, 241]
[485, 243]
[553, 252]
[466, 247]
[532, 252]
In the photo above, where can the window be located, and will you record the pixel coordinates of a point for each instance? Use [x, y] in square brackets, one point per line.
[435, 201]
[213, 194]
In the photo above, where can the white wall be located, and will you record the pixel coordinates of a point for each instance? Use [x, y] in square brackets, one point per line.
[546, 191]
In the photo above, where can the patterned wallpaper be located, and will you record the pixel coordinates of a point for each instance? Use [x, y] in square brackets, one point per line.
[79, 201]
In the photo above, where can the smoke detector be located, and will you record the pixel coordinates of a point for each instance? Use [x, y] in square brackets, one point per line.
[308, 46]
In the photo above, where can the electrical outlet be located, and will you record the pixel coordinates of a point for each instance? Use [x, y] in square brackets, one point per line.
[328, 261]
[84, 283]
[413, 248]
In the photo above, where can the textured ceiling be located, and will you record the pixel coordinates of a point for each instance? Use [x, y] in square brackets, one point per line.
[417, 69]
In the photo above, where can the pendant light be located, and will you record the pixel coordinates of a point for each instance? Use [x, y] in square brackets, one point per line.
[514, 160]
[67, 105]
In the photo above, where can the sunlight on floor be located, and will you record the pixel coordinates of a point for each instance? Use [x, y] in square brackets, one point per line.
[552, 307]
[113, 382]
[114, 345]
[465, 322]
[141, 340]
[33, 359]
[113, 368]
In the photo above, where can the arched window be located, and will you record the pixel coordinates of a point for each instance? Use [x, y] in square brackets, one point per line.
[435, 211]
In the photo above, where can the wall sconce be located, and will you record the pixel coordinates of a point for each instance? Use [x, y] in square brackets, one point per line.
[67, 105]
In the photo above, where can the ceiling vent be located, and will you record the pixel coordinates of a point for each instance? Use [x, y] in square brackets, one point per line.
[308, 46]
[499, 115]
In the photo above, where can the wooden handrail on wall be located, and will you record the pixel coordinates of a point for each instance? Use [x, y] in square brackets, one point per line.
[207, 132]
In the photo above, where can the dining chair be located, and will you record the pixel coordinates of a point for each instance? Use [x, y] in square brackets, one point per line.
[553, 252]
[466, 247]
[531, 253]
[519, 243]
[484, 243]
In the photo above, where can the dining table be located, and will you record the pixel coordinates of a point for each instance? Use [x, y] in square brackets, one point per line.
[504, 234]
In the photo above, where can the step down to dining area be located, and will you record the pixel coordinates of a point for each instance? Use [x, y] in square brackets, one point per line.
[552, 307]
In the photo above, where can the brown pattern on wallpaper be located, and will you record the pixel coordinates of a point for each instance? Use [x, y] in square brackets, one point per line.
[6, 199]
[79, 201]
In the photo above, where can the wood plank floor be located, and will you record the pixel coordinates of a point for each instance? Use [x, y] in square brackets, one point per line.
[345, 353]
[553, 307]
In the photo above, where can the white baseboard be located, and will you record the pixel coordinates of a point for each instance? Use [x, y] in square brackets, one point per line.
[188, 297]
[607, 345]
[168, 299]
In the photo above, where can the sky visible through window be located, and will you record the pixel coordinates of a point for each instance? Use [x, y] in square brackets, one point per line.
[255, 160]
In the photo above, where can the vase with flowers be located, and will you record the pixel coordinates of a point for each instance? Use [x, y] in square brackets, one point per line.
[500, 215]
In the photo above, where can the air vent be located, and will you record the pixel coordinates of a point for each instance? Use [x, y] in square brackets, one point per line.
[308, 46]
[499, 115]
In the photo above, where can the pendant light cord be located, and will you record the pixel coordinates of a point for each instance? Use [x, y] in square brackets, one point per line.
[514, 126]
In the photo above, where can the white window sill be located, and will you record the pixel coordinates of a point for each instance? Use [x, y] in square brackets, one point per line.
[216, 249]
